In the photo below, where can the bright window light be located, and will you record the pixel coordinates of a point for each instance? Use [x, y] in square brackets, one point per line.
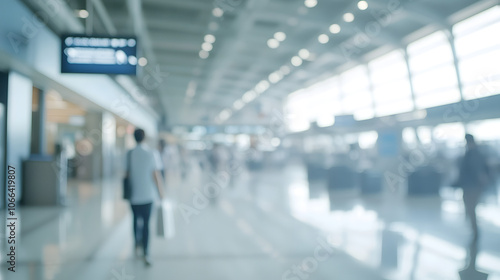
[325, 121]
[478, 51]
[368, 139]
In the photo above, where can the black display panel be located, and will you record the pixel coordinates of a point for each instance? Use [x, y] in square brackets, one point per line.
[98, 55]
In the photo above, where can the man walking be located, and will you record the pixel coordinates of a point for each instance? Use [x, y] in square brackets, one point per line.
[473, 178]
[146, 184]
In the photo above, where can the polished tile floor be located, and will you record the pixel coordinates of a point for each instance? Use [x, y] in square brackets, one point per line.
[257, 225]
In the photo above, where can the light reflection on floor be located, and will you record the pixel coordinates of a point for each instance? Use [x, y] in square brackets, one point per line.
[381, 243]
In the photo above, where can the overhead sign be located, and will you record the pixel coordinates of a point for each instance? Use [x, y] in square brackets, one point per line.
[99, 55]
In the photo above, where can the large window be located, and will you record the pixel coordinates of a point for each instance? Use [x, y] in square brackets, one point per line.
[391, 86]
[318, 103]
[433, 71]
[356, 95]
[477, 43]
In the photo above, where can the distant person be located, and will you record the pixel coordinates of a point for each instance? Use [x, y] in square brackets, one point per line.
[473, 178]
[146, 184]
[170, 157]
[161, 148]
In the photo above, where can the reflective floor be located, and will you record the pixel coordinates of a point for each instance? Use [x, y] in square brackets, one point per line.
[269, 224]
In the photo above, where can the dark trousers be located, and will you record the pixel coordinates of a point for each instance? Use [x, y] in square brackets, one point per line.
[471, 199]
[142, 212]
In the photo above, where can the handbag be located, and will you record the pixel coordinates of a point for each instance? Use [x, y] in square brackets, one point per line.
[127, 184]
[165, 226]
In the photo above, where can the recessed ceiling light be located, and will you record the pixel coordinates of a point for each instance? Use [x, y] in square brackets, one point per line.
[362, 5]
[203, 54]
[225, 114]
[217, 12]
[296, 61]
[238, 104]
[280, 36]
[285, 70]
[323, 38]
[249, 96]
[210, 38]
[83, 14]
[311, 3]
[207, 46]
[348, 17]
[261, 86]
[335, 28]
[275, 77]
[273, 43]
[143, 61]
[304, 54]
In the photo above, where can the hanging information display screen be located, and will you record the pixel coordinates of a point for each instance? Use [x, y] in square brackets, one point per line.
[99, 55]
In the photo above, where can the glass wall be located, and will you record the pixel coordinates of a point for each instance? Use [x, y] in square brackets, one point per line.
[391, 86]
[383, 86]
[433, 71]
[477, 42]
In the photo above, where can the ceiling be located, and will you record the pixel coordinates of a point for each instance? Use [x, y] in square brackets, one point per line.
[188, 89]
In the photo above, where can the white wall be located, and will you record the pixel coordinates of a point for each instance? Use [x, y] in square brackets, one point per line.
[18, 136]
[39, 55]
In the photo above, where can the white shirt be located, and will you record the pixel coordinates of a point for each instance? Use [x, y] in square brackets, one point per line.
[143, 163]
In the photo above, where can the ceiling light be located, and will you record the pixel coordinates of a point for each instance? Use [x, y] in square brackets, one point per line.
[261, 86]
[323, 38]
[273, 43]
[203, 54]
[275, 77]
[249, 96]
[83, 14]
[304, 54]
[217, 12]
[348, 17]
[285, 70]
[238, 104]
[311, 3]
[296, 61]
[143, 61]
[207, 46]
[209, 38]
[335, 28]
[362, 5]
[225, 114]
[280, 36]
